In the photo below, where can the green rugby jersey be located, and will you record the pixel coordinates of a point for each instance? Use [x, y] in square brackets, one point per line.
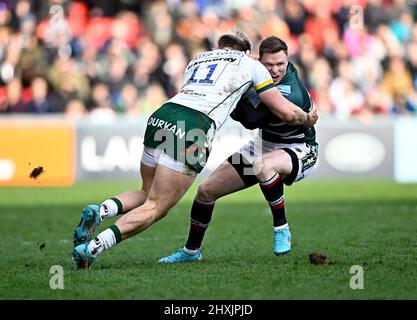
[274, 130]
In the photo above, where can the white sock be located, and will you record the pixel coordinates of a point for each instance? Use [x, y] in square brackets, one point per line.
[108, 209]
[284, 226]
[189, 251]
[104, 241]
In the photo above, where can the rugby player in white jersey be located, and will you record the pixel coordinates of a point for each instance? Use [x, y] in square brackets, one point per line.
[178, 140]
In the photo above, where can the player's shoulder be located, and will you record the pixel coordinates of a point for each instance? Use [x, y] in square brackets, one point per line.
[247, 62]
[254, 63]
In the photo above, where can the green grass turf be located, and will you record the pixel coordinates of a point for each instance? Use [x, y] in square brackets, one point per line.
[367, 223]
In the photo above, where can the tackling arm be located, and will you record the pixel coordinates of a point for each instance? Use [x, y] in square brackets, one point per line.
[286, 110]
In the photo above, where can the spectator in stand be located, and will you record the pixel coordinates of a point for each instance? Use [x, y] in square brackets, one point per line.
[14, 102]
[147, 68]
[270, 21]
[378, 100]
[128, 101]
[375, 15]
[173, 67]
[151, 98]
[101, 105]
[33, 60]
[343, 86]
[75, 109]
[319, 78]
[42, 101]
[397, 78]
[402, 26]
[295, 16]
[161, 22]
[320, 20]
[68, 81]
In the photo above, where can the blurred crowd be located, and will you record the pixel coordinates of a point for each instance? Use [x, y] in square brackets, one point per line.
[358, 58]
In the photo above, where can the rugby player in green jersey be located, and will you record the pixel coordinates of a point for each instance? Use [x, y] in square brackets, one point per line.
[178, 141]
[280, 154]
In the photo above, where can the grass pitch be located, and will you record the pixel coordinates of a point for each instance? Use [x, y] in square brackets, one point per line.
[370, 224]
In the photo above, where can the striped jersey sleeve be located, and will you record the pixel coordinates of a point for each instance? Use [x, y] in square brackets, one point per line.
[261, 78]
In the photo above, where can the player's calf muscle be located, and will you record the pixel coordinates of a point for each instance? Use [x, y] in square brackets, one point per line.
[132, 199]
[133, 223]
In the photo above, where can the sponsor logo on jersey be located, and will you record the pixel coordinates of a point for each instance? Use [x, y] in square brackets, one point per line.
[192, 93]
[227, 59]
[159, 123]
[308, 162]
[284, 89]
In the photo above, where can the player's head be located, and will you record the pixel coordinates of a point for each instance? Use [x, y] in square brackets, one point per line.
[236, 40]
[273, 53]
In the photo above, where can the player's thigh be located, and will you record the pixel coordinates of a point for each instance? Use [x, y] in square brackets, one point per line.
[147, 173]
[277, 161]
[168, 187]
[222, 181]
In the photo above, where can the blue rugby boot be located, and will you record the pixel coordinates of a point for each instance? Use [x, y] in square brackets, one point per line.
[282, 241]
[90, 219]
[182, 256]
[82, 256]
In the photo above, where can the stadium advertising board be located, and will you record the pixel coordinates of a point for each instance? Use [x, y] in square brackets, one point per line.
[353, 150]
[348, 149]
[109, 151]
[48, 146]
[90, 151]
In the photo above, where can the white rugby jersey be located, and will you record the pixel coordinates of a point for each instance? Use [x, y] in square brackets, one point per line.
[215, 80]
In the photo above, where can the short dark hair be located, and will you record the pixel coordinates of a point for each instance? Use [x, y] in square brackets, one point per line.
[236, 40]
[272, 45]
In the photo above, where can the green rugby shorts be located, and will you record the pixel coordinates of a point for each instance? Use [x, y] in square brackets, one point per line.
[182, 133]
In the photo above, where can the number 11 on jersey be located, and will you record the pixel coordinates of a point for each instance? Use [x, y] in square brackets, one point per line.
[205, 76]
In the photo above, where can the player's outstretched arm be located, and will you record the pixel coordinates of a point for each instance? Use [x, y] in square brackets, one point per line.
[286, 110]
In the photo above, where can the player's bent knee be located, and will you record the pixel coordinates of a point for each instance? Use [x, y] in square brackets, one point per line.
[263, 168]
[205, 193]
[258, 165]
